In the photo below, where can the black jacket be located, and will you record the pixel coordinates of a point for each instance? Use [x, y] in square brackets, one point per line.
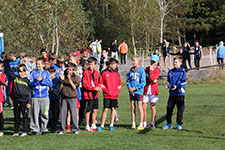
[21, 89]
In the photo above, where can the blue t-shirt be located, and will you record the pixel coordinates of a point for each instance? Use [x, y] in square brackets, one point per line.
[221, 51]
[58, 70]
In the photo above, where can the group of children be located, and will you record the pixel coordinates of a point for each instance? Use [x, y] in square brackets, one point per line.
[55, 89]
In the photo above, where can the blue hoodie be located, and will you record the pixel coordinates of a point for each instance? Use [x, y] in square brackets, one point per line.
[221, 51]
[177, 77]
[40, 88]
[136, 79]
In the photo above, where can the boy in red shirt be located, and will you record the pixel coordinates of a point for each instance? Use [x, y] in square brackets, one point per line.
[151, 89]
[110, 91]
[90, 92]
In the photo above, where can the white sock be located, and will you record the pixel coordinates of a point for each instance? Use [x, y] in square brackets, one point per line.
[93, 125]
[111, 125]
[87, 126]
[145, 124]
[133, 123]
[153, 123]
[141, 124]
[102, 125]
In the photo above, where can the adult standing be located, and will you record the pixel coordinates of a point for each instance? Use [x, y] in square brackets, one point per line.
[123, 48]
[186, 48]
[99, 50]
[93, 47]
[114, 50]
[220, 53]
[198, 54]
[165, 52]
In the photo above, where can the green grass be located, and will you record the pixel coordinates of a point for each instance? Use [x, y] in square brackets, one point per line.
[203, 128]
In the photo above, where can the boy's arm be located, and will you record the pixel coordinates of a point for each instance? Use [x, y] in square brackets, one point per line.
[33, 81]
[47, 81]
[142, 81]
[128, 81]
[101, 83]
[3, 79]
[154, 76]
[86, 84]
[168, 80]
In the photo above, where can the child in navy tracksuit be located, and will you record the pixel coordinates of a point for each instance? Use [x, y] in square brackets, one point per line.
[40, 81]
[176, 85]
[22, 98]
[136, 81]
[110, 91]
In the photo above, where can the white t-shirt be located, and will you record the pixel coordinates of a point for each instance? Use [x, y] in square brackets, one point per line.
[94, 46]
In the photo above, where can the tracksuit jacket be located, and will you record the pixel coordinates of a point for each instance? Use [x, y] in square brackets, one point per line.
[136, 79]
[2, 83]
[177, 76]
[40, 88]
[21, 89]
[151, 75]
[110, 83]
[89, 84]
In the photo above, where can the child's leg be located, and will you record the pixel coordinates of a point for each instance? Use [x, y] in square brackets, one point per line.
[68, 120]
[141, 112]
[16, 112]
[170, 106]
[133, 113]
[1, 118]
[94, 115]
[153, 108]
[88, 112]
[64, 111]
[73, 108]
[116, 115]
[144, 105]
[34, 119]
[104, 115]
[180, 109]
[77, 109]
[25, 116]
[44, 114]
[112, 116]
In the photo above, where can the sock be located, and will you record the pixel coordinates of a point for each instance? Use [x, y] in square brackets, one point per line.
[68, 126]
[87, 126]
[145, 124]
[93, 125]
[133, 123]
[102, 125]
[111, 125]
[153, 123]
[141, 124]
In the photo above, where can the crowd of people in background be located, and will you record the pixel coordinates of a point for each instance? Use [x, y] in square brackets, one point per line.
[54, 88]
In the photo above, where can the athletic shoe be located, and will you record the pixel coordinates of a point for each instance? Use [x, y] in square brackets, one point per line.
[167, 126]
[23, 134]
[140, 127]
[152, 126]
[11, 107]
[1, 133]
[87, 129]
[178, 127]
[94, 128]
[35, 133]
[68, 130]
[133, 127]
[76, 132]
[116, 120]
[111, 128]
[61, 132]
[100, 128]
[44, 133]
[15, 134]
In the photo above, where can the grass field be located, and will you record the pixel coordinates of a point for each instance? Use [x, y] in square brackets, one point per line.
[203, 128]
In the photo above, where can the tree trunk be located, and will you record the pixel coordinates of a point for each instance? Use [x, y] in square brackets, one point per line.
[178, 36]
[57, 41]
[161, 30]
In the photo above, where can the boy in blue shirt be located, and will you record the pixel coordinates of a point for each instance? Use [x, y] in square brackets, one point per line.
[176, 85]
[40, 81]
[136, 80]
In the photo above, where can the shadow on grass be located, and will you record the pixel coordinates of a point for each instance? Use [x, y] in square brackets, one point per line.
[159, 121]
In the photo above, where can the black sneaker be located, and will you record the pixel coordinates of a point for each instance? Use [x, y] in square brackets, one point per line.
[44, 133]
[35, 133]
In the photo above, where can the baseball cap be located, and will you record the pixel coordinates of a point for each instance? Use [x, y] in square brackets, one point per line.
[154, 58]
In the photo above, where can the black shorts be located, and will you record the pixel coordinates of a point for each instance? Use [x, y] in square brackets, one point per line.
[110, 103]
[91, 105]
[135, 97]
[220, 60]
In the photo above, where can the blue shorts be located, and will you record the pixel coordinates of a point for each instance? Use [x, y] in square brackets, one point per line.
[135, 97]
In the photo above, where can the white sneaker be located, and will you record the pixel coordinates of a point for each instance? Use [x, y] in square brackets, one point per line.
[93, 128]
[76, 132]
[87, 129]
[61, 132]
[23, 134]
[15, 134]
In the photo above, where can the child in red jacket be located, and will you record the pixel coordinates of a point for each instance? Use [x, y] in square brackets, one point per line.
[110, 91]
[2, 83]
[90, 92]
[151, 89]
